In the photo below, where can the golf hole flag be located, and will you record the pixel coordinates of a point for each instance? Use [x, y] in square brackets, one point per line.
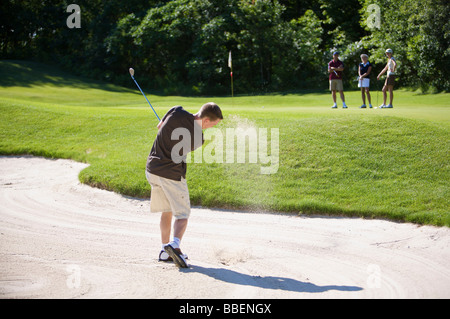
[230, 65]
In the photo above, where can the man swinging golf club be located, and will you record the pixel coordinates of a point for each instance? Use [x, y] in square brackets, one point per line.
[179, 132]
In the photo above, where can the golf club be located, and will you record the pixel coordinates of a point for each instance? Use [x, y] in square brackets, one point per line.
[377, 91]
[131, 70]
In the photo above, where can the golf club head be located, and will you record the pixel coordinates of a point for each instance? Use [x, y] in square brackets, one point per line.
[131, 70]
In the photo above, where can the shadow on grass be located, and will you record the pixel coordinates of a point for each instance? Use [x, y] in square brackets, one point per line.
[266, 282]
[27, 73]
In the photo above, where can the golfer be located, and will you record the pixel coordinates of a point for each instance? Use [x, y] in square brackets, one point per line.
[364, 70]
[390, 80]
[179, 132]
[335, 68]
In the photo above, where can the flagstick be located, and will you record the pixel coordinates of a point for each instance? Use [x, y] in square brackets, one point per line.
[230, 65]
[232, 91]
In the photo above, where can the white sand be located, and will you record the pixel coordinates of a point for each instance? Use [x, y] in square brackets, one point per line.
[62, 239]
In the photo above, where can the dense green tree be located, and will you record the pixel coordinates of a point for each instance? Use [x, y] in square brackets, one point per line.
[181, 46]
[418, 32]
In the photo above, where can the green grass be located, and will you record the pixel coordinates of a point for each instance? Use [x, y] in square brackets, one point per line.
[390, 164]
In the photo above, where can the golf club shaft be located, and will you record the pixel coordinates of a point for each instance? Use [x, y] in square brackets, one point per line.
[377, 87]
[145, 97]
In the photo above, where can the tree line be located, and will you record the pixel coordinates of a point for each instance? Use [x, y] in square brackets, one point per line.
[182, 46]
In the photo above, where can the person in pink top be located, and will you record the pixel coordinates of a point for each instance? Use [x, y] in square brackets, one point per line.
[335, 68]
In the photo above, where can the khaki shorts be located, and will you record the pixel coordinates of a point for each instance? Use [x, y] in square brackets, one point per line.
[169, 196]
[336, 85]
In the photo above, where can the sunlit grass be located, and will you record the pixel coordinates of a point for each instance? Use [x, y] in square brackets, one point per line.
[358, 162]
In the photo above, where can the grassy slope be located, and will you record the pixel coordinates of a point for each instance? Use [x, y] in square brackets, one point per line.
[375, 163]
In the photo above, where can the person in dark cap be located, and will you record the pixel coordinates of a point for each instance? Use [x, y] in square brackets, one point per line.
[335, 68]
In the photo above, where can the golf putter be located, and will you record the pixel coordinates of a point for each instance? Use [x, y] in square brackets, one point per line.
[131, 70]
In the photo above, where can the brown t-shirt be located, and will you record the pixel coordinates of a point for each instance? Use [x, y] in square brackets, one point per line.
[178, 135]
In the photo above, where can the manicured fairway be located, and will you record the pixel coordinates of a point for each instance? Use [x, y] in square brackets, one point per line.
[387, 163]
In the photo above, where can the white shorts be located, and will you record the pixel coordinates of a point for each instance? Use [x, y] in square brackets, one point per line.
[169, 196]
[364, 83]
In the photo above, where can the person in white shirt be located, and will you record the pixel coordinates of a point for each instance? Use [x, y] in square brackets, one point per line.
[390, 80]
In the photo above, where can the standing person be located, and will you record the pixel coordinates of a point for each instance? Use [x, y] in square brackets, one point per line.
[364, 70]
[179, 132]
[390, 80]
[335, 68]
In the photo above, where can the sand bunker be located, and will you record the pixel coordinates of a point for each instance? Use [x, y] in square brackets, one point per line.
[62, 239]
